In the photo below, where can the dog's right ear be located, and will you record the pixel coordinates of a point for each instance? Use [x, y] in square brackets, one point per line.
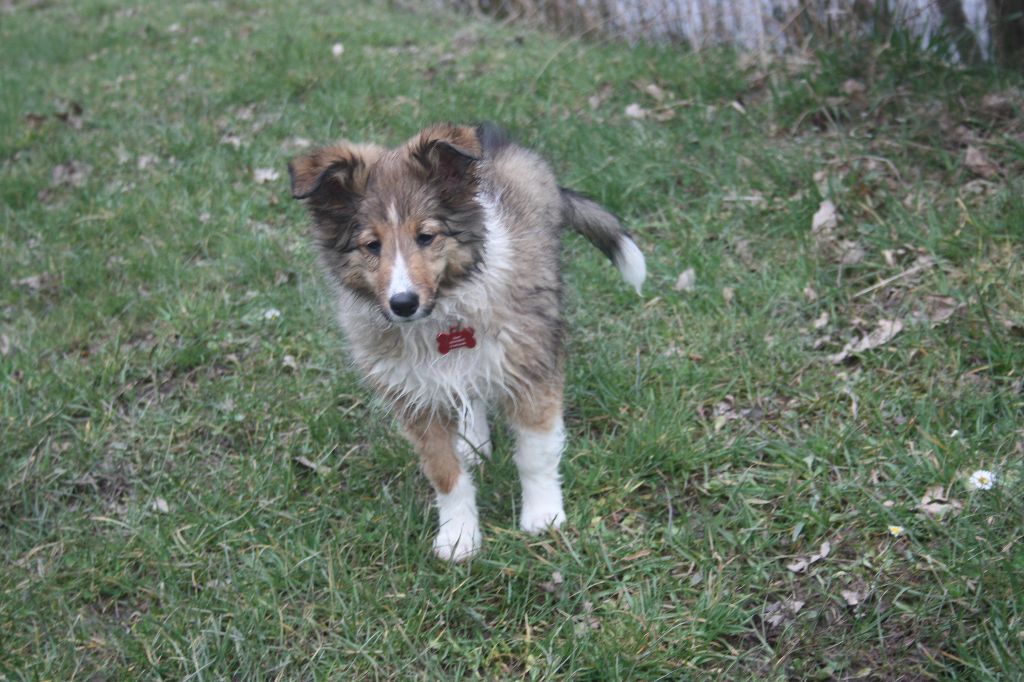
[332, 176]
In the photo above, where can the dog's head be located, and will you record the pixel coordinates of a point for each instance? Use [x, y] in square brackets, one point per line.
[396, 227]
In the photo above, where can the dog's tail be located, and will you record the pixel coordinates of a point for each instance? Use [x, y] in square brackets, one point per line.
[605, 232]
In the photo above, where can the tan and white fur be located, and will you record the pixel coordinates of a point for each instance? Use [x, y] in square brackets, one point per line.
[458, 229]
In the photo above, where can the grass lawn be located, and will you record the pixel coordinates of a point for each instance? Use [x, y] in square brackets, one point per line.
[192, 488]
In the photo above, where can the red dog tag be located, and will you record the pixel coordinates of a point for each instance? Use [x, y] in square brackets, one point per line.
[455, 338]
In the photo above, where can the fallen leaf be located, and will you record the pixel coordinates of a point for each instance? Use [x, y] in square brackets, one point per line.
[553, 584]
[801, 565]
[810, 294]
[825, 218]
[936, 504]
[978, 187]
[34, 121]
[33, 282]
[233, 141]
[936, 309]
[5, 345]
[777, 613]
[315, 468]
[601, 96]
[885, 332]
[852, 88]
[754, 198]
[289, 362]
[822, 181]
[662, 114]
[998, 105]
[852, 597]
[728, 293]
[687, 280]
[72, 173]
[146, 160]
[822, 321]
[636, 111]
[978, 163]
[655, 92]
[849, 252]
[71, 115]
[297, 142]
[265, 175]
[160, 505]
[744, 252]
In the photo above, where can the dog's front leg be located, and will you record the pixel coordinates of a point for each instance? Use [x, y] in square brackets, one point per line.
[540, 439]
[434, 437]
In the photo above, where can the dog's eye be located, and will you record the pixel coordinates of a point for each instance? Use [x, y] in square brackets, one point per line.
[373, 247]
[424, 239]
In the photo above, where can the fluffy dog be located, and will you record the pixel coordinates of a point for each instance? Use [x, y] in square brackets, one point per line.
[444, 258]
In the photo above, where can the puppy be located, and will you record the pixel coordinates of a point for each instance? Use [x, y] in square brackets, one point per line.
[444, 259]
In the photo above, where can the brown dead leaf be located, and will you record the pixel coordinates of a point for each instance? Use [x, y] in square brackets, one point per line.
[160, 505]
[34, 282]
[71, 174]
[552, 585]
[636, 111]
[824, 223]
[70, 114]
[998, 105]
[978, 163]
[822, 321]
[884, 332]
[687, 280]
[849, 252]
[231, 140]
[778, 613]
[852, 597]
[936, 309]
[265, 175]
[5, 345]
[296, 143]
[801, 565]
[936, 504]
[728, 294]
[34, 121]
[312, 466]
[601, 96]
[852, 88]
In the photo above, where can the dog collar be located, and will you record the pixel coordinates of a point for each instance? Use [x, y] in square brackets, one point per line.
[455, 338]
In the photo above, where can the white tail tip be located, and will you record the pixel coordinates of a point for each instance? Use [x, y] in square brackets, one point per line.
[629, 259]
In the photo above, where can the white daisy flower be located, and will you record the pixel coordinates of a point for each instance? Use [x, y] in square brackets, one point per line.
[271, 314]
[897, 531]
[982, 480]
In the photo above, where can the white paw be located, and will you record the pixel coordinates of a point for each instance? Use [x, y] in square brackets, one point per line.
[457, 543]
[538, 518]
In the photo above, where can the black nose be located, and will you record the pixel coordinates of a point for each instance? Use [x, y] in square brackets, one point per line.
[405, 303]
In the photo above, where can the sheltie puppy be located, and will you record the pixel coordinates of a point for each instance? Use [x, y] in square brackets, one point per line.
[444, 259]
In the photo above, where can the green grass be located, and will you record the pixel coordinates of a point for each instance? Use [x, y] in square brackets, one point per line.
[712, 441]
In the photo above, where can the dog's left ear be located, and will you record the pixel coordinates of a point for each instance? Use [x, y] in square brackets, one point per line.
[448, 155]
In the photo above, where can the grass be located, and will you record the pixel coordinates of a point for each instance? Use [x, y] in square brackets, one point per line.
[156, 520]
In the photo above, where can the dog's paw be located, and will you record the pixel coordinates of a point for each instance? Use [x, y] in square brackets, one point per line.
[538, 518]
[458, 543]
